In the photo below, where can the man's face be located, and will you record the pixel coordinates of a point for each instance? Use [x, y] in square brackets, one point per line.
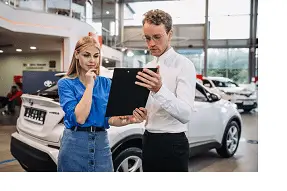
[13, 90]
[156, 38]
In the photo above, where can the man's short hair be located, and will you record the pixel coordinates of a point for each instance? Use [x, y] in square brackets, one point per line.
[158, 17]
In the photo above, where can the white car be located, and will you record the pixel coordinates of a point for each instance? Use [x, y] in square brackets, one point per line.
[245, 98]
[215, 123]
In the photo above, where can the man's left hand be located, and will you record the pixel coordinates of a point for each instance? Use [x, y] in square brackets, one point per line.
[150, 79]
[139, 115]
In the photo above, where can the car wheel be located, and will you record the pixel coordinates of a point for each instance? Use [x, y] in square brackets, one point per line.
[129, 160]
[230, 140]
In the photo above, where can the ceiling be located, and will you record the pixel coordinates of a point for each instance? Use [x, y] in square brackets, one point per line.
[10, 41]
[109, 5]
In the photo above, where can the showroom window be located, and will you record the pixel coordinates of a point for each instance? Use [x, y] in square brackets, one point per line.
[230, 63]
[256, 62]
[186, 12]
[136, 58]
[196, 56]
[226, 13]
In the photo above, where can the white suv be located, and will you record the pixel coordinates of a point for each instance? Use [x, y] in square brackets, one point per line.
[215, 123]
[245, 98]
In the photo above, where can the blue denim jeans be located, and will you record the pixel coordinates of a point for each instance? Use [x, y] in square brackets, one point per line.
[85, 152]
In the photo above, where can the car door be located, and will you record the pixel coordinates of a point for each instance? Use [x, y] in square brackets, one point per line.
[205, 118]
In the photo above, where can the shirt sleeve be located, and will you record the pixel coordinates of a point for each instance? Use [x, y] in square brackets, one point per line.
[68, 101]
[179, 105]
[18, 94]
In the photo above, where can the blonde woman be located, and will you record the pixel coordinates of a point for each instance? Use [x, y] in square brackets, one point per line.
[83, 97]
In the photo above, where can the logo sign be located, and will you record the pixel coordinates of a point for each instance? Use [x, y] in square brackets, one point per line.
[31, 102]
[48, 83]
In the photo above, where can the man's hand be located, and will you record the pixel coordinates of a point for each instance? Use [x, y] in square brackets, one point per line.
[150, 79]
[139, 115]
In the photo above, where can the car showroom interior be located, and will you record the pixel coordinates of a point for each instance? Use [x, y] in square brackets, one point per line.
[218, 38]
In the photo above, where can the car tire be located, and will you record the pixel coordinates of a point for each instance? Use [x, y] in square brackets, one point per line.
[230, 140]
[128, 160]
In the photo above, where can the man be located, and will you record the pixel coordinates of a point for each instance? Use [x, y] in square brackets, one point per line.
[170, 103]
[13, 98]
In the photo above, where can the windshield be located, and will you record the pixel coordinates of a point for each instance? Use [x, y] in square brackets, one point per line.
[227, 84]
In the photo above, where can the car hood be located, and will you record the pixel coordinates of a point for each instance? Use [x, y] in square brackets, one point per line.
[237, 90]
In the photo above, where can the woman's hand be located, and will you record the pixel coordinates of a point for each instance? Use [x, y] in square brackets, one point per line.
[90, 77]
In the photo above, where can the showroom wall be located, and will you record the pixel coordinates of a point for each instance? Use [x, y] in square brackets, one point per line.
[11, 65]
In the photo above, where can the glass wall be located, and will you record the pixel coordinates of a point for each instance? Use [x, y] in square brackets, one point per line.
[136, 58]
[230, 63]
[226, 13]
[196, 56]
[186, 12]
[107, 13]
[256, 60]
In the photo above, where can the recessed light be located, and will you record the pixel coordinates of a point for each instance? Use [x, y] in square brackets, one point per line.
[1, 51]
[19, 50]
[130, 53]
[33, 48]
[107, 12]
[6, 3]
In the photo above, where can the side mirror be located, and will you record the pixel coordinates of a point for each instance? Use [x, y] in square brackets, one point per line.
[214, 97]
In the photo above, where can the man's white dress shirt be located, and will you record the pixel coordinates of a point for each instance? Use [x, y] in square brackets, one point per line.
[169, 110]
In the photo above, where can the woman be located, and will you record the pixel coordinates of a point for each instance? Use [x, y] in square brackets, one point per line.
[83, 97]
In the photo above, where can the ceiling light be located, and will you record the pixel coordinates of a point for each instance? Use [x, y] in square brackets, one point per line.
[145, 51]
[1, 51]
[130, 54]
[33, 48]
[6, 3]
[19, 50]
[107, 12]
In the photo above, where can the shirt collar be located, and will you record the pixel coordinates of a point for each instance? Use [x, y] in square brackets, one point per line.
[165, 55]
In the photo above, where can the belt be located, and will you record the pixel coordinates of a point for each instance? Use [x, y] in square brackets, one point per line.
[88, 129]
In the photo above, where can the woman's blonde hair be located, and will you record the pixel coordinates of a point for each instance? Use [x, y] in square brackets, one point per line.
[82, 44]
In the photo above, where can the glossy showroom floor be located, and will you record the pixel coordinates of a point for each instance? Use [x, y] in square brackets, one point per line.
[246, 158]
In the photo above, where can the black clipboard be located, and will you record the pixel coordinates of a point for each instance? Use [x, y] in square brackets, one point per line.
[125, 95]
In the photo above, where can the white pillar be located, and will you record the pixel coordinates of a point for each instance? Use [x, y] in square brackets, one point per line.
[68, 48]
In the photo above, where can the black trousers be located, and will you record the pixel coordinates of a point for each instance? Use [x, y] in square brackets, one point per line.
[165, 152]
[5, 101]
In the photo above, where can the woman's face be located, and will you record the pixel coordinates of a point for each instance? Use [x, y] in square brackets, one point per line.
[89, 58]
